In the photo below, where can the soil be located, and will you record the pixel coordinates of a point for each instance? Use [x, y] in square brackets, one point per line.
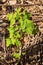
[33, 45]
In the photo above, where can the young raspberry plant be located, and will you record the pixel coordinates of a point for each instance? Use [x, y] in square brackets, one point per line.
[19, 23]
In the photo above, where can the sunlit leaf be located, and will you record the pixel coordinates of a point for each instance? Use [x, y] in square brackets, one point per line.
[18, 43]
[11, 31]
[9, 16]
[18, 35]
[12, 22]
[18, 10]
[8, 42]
[13, 40]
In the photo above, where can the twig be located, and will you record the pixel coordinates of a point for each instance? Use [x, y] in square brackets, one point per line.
[21, 5]
[4, 46]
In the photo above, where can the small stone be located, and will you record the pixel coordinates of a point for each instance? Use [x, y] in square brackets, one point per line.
[3, 0]
[12, 2]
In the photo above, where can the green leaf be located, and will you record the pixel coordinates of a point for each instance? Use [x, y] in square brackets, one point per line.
[18, 10]
[29, 30]
[16, 55]
[9, 16]
[23, 53]
[28, 15]
[18, 43]
[11, 31]
[8, 42]
[13, 41]
[12, 22]
[22, 24]
[18, 35]
[14, 15]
